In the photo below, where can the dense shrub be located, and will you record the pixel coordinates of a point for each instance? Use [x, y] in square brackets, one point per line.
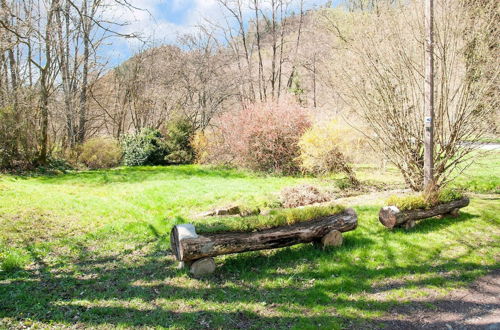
[322, 151]
[18, 141]
[100, 152]
[178, 138]
[302, 195]
[55, 165]
[200, 144]
[145, 148]
[262, 137]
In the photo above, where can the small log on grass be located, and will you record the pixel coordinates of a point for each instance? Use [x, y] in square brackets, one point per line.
[391, 216]
[187, 245]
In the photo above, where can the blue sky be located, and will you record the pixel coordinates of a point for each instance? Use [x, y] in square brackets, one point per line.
[161, 21]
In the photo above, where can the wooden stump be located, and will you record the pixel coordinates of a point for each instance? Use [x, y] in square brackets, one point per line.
[409, 224]
[202, 267]
[333, 238]
[455, 213]
[187, 245]
[391, 216]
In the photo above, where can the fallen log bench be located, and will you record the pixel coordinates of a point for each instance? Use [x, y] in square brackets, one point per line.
[392, 217]
[197, 250]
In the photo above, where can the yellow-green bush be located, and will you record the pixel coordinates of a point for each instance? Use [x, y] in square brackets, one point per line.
[101, 152]
[411, 202]
[323, 150]
[200, 145]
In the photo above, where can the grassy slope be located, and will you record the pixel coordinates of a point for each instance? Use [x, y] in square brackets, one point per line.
[97, 249]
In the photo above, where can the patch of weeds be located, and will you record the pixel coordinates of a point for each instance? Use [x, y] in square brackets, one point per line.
[12, 259]
[344, 184]
[410, 202]
[422, 201]
[301, 195]
[448, 195]
[274, 219]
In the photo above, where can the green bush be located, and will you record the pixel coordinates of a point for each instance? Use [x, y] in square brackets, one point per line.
[178, 138]
[54, 166]
[421, 201]
[100, 152]
[145, 148]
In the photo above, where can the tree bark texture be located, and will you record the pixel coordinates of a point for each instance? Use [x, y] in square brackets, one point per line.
[193, 246]
[391, 216]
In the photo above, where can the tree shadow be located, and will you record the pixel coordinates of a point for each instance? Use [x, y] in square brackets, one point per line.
[104, 291]
[271, 289]
[436, 223]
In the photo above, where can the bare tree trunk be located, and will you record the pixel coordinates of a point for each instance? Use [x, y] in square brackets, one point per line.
[282, 44]
[63, 57]
[262, 85]
[83, 93]
[45, 85]
[315, 103]
[274, 48]
[13, 83]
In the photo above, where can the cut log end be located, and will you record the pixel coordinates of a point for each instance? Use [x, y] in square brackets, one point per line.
[202, 267]
[455, 213]
[388, 216]
[409, 224]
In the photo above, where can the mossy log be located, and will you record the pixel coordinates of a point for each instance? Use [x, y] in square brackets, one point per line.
[391, 216]
[187, 245]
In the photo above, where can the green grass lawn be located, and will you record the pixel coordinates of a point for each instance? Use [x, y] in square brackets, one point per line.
[93, 251]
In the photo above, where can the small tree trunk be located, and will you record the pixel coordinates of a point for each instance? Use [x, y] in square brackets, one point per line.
[187, 245]
[391, 216]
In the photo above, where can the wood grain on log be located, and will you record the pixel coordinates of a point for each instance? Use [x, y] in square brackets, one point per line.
[211, 245]
[391, 216]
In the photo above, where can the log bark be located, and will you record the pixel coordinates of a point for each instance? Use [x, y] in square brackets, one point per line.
[188, 246]
[391, 216]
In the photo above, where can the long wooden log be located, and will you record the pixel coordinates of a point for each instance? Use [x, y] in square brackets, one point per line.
[187, 245]
[391, 216]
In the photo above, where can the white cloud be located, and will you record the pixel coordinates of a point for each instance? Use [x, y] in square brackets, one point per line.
[161, 21]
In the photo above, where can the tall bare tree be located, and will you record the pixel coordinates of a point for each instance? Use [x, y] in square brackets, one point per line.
[379, 73]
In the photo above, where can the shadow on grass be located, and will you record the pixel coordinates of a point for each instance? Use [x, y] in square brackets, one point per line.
[152, 292]
[142, 174]
[436, 223]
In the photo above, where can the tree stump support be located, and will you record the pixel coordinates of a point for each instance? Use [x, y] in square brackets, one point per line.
[331, 239]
